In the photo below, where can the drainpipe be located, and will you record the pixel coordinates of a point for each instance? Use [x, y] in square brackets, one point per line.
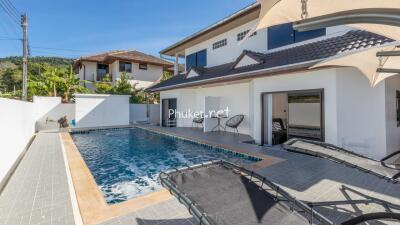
[176, 64]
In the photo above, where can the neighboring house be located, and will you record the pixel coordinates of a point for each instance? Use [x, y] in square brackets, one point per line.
[142, 69]
[269, 79]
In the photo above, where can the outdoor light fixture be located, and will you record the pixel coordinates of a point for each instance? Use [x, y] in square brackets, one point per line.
[380, 16]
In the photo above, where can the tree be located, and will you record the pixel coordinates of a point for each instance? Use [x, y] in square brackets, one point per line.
[104, 86]
[122, 87]
[55, 82]
[10, 79]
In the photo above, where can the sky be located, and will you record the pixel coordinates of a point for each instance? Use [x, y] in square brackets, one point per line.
[86, 26]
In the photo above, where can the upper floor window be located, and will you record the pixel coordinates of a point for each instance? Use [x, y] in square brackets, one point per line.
[220, 43]
[197, 59]
[125, 67]
[283, 34]
[142, 66]
[241, 35]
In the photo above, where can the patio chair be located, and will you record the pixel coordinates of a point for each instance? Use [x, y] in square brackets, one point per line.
[382, 168]
[220, 193]
[234, 122]
[198, 120]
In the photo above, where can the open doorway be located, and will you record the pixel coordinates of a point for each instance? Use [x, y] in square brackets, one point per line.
[292, 114]
[168, 112]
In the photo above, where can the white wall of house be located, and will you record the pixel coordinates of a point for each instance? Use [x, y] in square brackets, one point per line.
[321, 79]
[360, 114]
[356, 116]
[257, 43]
[234, 96]
[101, 110]
[143, 78]
[233, 49]
[392, 130]
[17, 121]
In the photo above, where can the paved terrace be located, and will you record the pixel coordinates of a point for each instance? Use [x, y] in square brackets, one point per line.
[38, 192]
[309, 178]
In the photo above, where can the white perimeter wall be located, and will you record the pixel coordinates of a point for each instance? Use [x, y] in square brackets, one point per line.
[144, 112]
[17, 127]
[101, 110]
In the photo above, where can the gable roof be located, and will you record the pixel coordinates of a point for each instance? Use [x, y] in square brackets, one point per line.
[287, 60]
[123, 55]
[255, 56]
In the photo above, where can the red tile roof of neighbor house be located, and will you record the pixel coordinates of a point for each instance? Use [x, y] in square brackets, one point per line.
[124, 55]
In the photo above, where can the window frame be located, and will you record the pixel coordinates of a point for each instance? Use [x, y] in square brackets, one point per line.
[284, 34]
[194, 59]
[143, 66]
[122, 67]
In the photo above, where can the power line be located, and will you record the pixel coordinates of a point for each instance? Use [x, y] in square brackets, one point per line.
[13, 7]
[14, 17]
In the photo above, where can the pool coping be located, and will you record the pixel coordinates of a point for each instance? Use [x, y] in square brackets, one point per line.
[265, 161]
[92, 205]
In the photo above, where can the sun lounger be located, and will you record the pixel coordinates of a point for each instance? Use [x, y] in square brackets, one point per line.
[221, 193]
[383, 168]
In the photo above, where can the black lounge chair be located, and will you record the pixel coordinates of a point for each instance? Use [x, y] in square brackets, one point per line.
[381, 168]
[234, 122]
[221, 193]
[198, 120]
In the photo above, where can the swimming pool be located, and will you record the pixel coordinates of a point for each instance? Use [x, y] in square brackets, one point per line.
[126, 162]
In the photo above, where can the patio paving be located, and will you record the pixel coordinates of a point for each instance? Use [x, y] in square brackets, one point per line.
[38, 192]
[170, 212]
[312, 179]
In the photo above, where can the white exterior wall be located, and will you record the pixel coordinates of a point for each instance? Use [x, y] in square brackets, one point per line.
[233, 49]
[234, 96]
[392, 85]
[101, 110]
[17, 127]
[361, 114]
[322, 79]
[257, 43]
[356, 116]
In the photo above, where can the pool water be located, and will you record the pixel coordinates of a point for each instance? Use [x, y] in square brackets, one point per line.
[126, 162]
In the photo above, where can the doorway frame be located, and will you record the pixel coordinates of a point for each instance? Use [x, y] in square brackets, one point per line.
[162, 109]
[322, 111]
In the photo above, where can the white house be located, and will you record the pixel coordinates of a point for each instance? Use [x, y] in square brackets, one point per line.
[142, 69]
[268, 78]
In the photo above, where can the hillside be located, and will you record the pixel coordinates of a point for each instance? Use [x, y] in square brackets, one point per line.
[53, 61]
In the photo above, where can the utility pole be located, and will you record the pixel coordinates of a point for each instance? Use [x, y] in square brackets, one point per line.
[24, 24]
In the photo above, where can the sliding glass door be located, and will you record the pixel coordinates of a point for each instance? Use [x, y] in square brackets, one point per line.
[305, 115]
